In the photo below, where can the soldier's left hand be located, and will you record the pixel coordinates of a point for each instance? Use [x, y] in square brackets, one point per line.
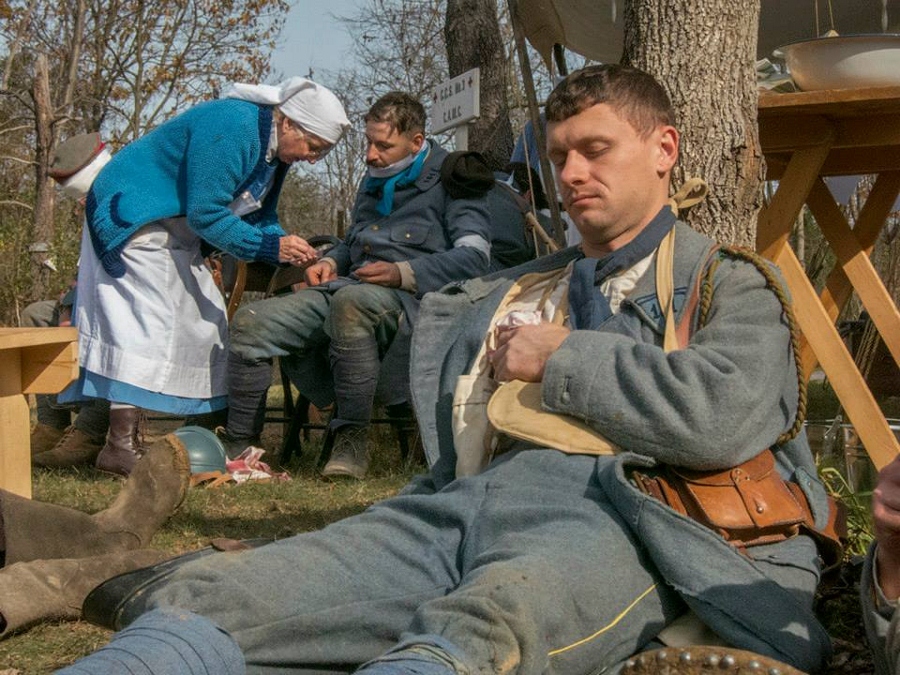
[380, 273]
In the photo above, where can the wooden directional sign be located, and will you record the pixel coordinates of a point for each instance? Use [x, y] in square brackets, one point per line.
[456, 101]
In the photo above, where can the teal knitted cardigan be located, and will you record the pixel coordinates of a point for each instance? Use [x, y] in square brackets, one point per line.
[193, 165]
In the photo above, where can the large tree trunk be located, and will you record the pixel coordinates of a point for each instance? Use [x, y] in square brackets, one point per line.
[44, 198]
[703, 53]
[472, 35]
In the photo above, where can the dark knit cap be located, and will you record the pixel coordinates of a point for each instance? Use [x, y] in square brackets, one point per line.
[466, 175]
[74, 154]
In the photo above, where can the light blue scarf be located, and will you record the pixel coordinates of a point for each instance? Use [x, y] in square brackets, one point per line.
[388, 183]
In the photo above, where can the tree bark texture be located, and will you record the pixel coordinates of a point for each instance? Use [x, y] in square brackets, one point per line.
[703, 53]
[44, 190]
[472, 35]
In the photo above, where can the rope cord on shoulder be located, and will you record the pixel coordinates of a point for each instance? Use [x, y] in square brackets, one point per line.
[772, 283]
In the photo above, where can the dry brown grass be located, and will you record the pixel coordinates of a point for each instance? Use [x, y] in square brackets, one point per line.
[273, 510]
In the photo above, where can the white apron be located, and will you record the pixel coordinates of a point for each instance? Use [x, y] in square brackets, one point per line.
[162, 326]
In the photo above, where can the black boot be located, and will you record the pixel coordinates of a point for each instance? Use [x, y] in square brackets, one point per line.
[119, 600]
[123, 441]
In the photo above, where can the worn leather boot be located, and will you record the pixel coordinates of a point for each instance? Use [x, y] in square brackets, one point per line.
[701, 660]
[44, 590]
[36, 530]
[350, 457]
[123, 441]
[73, 449]
[43, 438]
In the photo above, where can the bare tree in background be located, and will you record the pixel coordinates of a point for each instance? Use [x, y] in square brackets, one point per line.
[473, 37]
[121, 65]
[398, 45]
[704, 55]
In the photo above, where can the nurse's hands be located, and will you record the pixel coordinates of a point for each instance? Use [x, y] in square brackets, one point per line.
[295, 250]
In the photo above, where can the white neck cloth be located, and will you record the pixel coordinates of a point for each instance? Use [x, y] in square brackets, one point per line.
[398, 166]
[303, 101]
[77, 185]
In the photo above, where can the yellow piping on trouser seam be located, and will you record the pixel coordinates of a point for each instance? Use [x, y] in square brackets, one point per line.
[606, 627]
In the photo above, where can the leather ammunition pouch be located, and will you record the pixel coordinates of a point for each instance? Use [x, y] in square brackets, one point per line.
[748, 505]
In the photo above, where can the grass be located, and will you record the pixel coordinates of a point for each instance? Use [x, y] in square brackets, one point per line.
[270, 510]
[306, 503]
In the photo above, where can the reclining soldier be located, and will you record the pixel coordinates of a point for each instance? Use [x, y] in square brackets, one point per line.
[409, 235]
[542, 555]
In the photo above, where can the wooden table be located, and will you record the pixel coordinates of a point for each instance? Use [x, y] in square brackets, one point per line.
[806, 136]
[32, 361]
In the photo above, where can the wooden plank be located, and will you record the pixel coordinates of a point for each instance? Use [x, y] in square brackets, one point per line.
[867, 131]
[837, 102]
[856, 161]
[47, 369]
[844, 376]
[794, 132]
[12, 338]
[777, 219]
[15, 449]
[857, 266]
[875, 211]
[838, 289]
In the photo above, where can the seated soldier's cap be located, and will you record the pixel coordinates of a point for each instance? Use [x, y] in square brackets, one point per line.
[74, 154]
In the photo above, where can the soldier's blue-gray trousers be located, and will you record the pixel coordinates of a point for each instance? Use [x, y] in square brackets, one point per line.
[351, 327]
[526, 568]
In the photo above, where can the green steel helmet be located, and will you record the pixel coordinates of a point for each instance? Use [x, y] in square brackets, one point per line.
[204, 448]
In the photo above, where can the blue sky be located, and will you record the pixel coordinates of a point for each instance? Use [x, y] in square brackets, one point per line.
[313, 38]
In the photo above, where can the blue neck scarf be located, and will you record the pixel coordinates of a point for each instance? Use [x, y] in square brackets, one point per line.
[588, 307]
[387, 184]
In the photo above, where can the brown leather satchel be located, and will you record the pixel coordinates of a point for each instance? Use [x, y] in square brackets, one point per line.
[748, 504]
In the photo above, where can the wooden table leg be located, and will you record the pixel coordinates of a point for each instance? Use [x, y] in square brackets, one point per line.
[777, 219]
[15, 445]
[857, 267]
[849, 385]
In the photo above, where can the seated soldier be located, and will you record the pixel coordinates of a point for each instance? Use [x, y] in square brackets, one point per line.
[529, 549]
[408, 236]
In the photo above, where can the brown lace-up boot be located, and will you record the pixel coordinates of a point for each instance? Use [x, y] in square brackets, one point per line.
[44, 437]
[123, 441]
[156, 487]
[73, 449]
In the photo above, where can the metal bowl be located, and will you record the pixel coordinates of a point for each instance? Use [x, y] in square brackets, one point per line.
[844, 62]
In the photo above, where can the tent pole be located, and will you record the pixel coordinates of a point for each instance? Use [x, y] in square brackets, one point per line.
[559, 55]
[559, 233]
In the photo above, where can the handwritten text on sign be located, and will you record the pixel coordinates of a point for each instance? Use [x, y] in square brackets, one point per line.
[456, 101]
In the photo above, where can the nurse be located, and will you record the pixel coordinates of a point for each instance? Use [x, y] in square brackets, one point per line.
[151, 322]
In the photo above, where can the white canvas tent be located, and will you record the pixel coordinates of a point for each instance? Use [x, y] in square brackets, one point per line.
[595, 28]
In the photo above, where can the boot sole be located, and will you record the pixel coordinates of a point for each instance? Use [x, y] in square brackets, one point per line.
[343, 471]
[701, 660]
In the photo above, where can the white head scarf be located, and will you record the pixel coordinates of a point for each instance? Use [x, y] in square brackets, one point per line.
[303, 101]
[77, 185]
